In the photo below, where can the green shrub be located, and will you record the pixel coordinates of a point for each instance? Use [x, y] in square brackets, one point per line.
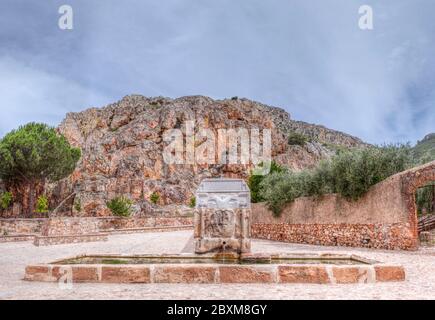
[120, 206]
[6, 200]
[77, 205]
[424, 199]
[297, 139]
[350, 173]
[254, 182]
[192, 202]
[280, 188]
[355, 171]
[42, 204]
[235, 98]
[155, 197]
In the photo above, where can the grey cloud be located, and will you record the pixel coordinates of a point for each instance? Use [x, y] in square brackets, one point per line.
[307, 57]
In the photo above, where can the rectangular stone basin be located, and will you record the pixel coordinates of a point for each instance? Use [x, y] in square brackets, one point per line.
[216, 268]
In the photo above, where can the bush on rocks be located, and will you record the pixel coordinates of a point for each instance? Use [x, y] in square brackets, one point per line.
[120, 206]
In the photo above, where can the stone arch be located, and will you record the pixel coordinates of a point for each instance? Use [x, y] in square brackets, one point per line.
[412, 180]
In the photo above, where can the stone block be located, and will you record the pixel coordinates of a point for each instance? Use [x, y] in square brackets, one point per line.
[347, 274]
[123, 274]
[37, 273]
[389, 273]
[184, 274]
[85, 274]
[302, 274]
[247, 274]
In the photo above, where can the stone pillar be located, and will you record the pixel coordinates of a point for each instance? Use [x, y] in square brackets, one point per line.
[222, 230]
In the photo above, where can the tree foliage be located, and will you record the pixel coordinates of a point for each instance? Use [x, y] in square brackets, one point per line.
[297, 139]
[42, 204]
[254, 182]
[350, 173]
[36, 151]
[6, 200]
[33, 154]
[425, 199]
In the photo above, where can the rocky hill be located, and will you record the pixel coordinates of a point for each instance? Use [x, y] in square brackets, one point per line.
[425, 148]
[122, 148]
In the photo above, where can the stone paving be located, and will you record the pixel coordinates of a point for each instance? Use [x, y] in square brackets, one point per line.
[420, 269]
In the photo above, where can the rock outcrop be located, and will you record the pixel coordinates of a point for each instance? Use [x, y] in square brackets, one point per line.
[122, 148]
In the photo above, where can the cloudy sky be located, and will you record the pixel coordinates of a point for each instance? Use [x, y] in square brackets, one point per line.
[308, 57]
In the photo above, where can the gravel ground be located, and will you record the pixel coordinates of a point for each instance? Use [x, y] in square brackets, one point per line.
[420, 272]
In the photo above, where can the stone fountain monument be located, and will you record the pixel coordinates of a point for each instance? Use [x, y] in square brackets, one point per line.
[222, 216]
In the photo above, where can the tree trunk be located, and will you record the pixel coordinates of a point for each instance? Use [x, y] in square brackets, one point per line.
[31, 198]
[433, 199]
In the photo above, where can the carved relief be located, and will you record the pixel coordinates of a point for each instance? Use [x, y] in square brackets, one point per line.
[219, 223]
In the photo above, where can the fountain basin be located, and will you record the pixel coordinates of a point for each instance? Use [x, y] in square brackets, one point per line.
[216, 268]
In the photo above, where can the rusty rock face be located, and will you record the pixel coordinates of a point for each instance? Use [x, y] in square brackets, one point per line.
[122, 149]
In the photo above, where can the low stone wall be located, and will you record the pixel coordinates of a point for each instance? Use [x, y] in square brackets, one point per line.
[69, 226]
[53, 240]
[21, 226]
[58, 230]
[385, 217]
[381, 236]
[17, 238]
[115, 223]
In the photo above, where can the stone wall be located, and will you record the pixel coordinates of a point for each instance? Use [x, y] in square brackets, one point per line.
[385, 217]
[21, 226]
[66, 225]
[115, 223]
[69, 226]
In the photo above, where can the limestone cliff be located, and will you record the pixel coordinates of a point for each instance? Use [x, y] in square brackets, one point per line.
[122, 148]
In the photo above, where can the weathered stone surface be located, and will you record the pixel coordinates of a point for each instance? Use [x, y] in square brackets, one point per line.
[385, 236]
[352, 275]
[85, 274]
[69, 226]
[184, 274]
[247, 274]
[123, 274]
[302, 274]
[37, 273]
[222, 230]
[21, 226]
[390, 273]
